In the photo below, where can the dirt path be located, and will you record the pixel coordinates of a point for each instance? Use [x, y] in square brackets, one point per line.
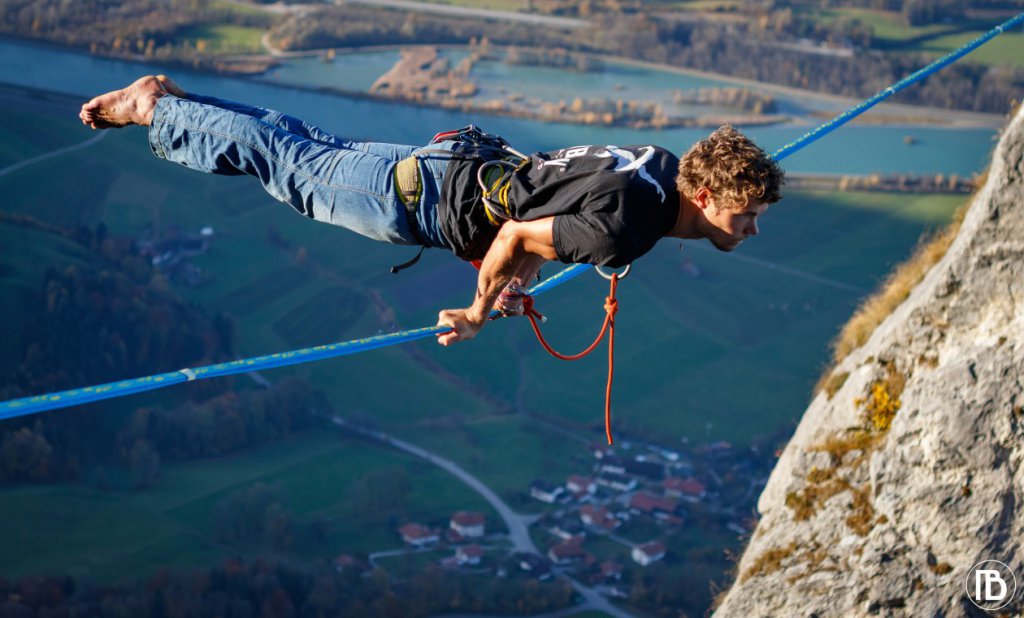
[53, 153]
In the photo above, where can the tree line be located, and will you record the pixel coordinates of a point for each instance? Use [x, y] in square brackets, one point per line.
[114, 317]
[150, 29]
[278, 589]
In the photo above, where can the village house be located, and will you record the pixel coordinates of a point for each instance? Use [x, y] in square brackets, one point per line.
[469, 554]
[617, 482]
[469, 525]
[648, 553]
[546, 492]
[663, 509]
[565, 554]
[688, 489]
[418, 536]
[649, 504]
[538, 566]
[580, 486]
[664, 453]
[598, 517]
[568, 529]
[606, 572]
[612, 464]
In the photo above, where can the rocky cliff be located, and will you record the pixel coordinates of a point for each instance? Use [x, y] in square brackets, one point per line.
[907, 471]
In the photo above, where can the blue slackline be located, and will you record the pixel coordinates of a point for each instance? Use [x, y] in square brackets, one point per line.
[73, 397]
[913, 78]
[63, 399]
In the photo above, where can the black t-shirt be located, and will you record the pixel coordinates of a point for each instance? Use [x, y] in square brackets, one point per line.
[611, 204]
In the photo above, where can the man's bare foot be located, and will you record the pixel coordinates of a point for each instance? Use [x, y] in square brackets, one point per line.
[124, 107]
[171, 87]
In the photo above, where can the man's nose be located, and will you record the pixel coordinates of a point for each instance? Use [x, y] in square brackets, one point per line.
[752, 229]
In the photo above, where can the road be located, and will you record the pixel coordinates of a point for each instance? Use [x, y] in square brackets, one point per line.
[518, 524]
[53, 153]
[468, 11]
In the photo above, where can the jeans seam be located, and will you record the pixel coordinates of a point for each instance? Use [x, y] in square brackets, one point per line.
[278, 160]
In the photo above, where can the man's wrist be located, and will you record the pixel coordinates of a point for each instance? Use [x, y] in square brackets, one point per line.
[514, 291]
[477, 316]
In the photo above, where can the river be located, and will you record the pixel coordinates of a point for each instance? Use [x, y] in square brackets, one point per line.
[852, 150]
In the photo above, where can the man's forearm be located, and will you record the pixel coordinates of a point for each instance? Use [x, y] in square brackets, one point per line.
[505, 261]
[518, 250]
[528, 269]
[510, 301]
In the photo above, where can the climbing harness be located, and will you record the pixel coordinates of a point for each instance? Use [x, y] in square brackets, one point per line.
[63, 399]
[495, 188]
[494, 175]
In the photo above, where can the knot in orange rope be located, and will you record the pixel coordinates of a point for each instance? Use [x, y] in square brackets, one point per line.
[611, 307]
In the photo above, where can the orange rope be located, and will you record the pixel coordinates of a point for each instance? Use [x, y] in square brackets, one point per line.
[611, 306]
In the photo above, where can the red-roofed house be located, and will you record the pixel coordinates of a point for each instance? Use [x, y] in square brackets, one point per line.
[566, 553]
[607, 571]
[598, 517]
[470, 554]
[581, 485]
[469, 525]
[687, 489]
[417, 535]
[611, 570]
[652, 505]
[648, 552]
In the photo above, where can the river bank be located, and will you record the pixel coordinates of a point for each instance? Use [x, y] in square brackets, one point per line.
[885, 114]
[855, 150]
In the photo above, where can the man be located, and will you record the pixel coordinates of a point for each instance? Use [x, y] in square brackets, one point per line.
[603, 205]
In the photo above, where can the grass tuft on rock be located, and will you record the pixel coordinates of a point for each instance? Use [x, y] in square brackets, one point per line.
[895, 290]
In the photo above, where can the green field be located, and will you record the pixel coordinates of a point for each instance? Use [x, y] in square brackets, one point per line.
[53, 125]
[224, 39]
[729, 354]
[890, 32]
[115, 535]
[675, 342]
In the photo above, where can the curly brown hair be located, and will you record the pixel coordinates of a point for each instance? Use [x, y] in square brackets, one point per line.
[733, 168]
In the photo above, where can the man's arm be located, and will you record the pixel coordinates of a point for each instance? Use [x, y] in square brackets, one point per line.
[510, 300]
[519, 245]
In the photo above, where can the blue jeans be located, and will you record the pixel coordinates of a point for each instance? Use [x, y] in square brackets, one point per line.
[345, 183]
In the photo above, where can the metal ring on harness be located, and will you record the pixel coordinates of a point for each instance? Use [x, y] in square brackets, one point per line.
[622, 276]
[499, 211]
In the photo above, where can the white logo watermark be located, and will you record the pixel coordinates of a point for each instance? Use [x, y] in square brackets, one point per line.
[990, 585]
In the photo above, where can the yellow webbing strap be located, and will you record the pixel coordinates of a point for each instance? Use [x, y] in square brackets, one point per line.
[407, 181]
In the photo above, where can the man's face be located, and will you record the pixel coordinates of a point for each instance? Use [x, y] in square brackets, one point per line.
[728, 227]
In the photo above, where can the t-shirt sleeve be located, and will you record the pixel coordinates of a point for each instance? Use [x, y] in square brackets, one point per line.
[591, 238]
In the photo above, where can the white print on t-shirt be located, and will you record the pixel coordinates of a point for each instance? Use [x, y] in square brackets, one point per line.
[626, 161]
[567, 154]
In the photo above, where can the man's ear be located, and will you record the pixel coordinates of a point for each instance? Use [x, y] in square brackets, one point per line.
[702, 198]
